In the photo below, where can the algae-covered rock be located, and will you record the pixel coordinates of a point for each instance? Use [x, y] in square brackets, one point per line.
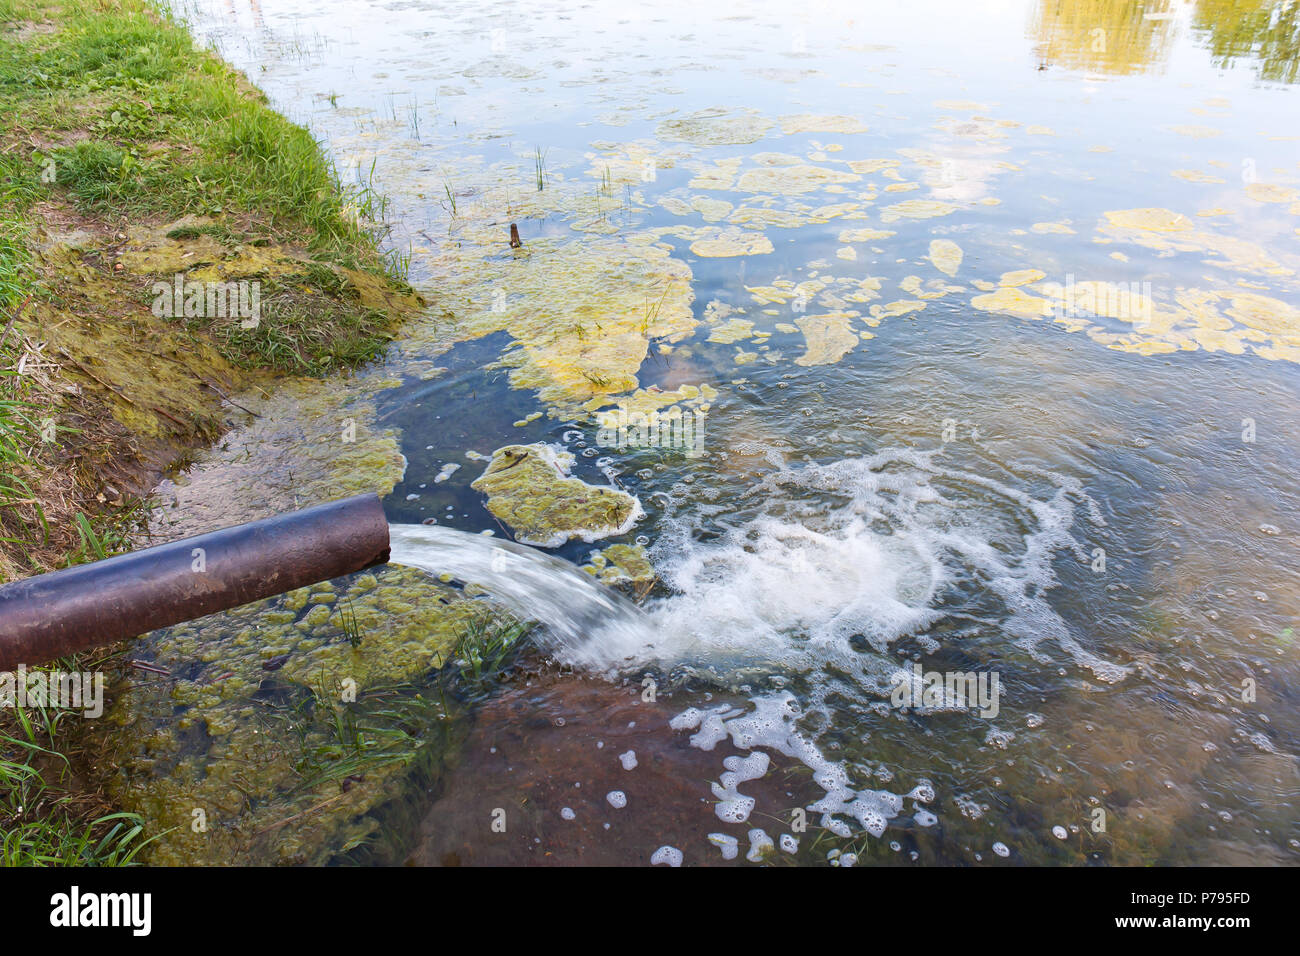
[529, 488]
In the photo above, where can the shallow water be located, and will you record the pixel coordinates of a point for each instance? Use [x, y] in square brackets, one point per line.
[1089, 493]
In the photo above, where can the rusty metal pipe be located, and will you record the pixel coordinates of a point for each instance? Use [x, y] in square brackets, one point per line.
[53, 614]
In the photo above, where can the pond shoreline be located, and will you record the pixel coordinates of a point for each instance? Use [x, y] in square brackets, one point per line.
[171, 241]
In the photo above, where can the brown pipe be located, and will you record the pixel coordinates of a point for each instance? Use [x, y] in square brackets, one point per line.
[50, 615]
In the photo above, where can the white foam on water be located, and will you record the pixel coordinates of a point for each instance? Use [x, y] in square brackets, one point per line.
[727, 843]
[860, 549]
[816, 569]
[666, 854]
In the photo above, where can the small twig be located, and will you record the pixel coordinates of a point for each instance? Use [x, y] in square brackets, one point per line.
[155, 408]
[140, 665]
[231, 400]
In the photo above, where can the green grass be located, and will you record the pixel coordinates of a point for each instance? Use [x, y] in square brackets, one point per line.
[127, 70]
[38, 824]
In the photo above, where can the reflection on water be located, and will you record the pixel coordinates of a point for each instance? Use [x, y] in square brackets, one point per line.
[999, 366]
[1106, 36]
[1263, 34]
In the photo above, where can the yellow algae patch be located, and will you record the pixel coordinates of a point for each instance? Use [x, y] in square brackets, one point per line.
[1197, 132]
[1100, 149]
[1266, 314]
[1059, 228]
[530, 490]
[632, 163]
[1271, 192]
[1214, 340]
[620, 564]
[868, 288]
[864, 235]
[1163, 230]
[775, 159]
[1113, 300]
[1150, 220]
[716, 127]
[732, 242]
[732, 331]
[719, 175]
[961, 106]
[820, 123]
[891, 309]
[713, 210]
[916, 209]
[827, 338]
[983, 285]
[646, 401]
[836, 211]
[1196, 176]
[150, 250]
[946, 256]
[937, 288]
[761, 216]
[716, 311]
[1011, 299]
[678, 207]
[902, 187]
[1127, 343]
[792, 180]
[1040, 131]
[1022, 277]
[866, 167]
[847, 253]
[1216, 211]
[583, 314]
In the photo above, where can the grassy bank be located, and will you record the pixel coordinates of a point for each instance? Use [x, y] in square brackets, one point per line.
[133, 164]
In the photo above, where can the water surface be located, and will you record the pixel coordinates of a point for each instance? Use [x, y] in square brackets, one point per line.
[992, 314]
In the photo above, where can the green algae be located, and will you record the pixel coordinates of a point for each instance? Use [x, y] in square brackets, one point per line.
[620, 564]
[269, 735]
[716, 127]
[529, 489]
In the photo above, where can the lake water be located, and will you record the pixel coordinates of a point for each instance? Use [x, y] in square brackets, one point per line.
[987, 319]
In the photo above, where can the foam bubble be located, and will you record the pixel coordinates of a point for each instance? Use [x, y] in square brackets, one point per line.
[727, 843]
[617, 799]
[666, 854]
